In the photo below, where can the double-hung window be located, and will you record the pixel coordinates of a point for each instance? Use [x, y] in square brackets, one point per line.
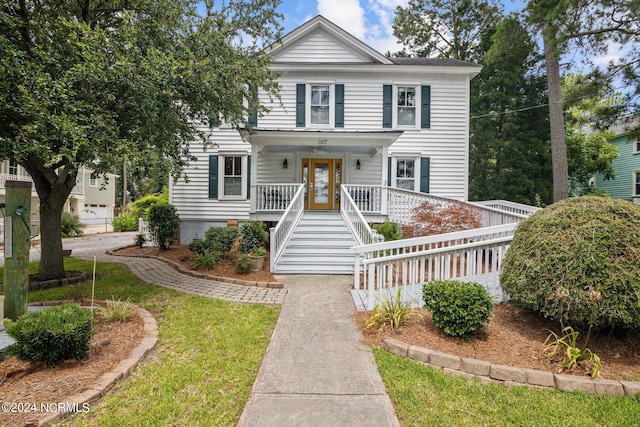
[13, 167]
[320, 105]
[636, 145]
[232, 178]
[636, 183]
[93, 181]
[406, 174]
[406, 106]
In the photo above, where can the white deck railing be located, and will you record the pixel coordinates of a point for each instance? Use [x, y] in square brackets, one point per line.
[474, 255]
[274, 197]
[143, 228]
[281, 233]
[350, 211]
[504, 205]
[368, 198]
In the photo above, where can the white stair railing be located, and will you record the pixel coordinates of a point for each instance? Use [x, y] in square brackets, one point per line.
[352, 215]
[467, 255]
[281, 233]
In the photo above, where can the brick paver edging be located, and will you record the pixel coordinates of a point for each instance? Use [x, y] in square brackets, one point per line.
[488, 372]
[181, 269]
[122, 369]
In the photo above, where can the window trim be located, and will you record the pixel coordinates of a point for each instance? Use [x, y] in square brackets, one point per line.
[417, 87]
[13, 165]
[93, 182]
[635, 184]
[636, 145]
[416, 170]
[332, 106]
[243, 175]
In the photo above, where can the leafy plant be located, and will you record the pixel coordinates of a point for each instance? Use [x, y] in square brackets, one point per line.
[125, 222]
[140, 208]
[116, 310]
[389, 230]
[70, 225]
[163, 225]
[254, 234]
[576, 262]
[391, 311]
[140, 240]
[51, 335]
[243, 264]
[573, 356]
[260, 251]
[217, 239]
[206, 260]
[458, 308]
[435, 218]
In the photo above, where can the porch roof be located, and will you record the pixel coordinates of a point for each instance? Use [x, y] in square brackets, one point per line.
[284, 140]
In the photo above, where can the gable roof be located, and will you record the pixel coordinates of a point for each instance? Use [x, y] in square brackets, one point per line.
[321, 26]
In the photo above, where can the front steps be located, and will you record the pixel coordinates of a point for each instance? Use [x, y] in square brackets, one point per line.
[321, 244]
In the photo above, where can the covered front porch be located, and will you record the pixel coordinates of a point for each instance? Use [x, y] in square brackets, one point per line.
[320, 162]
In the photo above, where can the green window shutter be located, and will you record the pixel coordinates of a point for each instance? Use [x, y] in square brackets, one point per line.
[249, 176]
[389, 171]
[340, 106]
[425, 107]
[425, 165]
[253, 113]
[214, 121]
[387, 106]
[213, 177]
[300, 105]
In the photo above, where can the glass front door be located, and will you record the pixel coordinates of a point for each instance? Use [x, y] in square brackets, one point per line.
[323, 178]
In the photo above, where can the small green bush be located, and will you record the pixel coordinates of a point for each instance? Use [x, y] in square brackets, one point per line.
[389, 230]
[163, 225]
[254, 234]
[125, 222]
[70, 225]
[206, 260]
[576, 262]
[220, 239]
[458, 308]
[51, 335]
[243, 264]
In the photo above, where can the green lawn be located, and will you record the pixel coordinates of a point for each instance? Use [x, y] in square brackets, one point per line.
[424, 396]
[204, 364]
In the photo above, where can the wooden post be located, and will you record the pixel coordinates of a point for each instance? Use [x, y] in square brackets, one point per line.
[17, 237]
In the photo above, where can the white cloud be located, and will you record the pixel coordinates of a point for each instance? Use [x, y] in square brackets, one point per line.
[347, 14]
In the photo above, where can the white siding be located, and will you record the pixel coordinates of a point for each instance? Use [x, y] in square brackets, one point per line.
[318, 47]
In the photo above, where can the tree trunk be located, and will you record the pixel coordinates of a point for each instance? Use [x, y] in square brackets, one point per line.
[51, 259]
[556, 117]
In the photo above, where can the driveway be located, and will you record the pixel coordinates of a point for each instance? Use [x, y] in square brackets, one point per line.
[89, 245]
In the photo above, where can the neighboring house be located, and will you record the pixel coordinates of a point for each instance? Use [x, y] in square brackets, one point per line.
[348, 115]
[626, 184]
[93, 200]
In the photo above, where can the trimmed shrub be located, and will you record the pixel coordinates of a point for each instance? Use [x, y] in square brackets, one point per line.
[70, 225]
[221, 239]
[243, 264]
[389, 230]
[458, 308]
[254, 234]
[576, 262]
[125, 222]
[51, 335]
[206, 260]
[163, 225]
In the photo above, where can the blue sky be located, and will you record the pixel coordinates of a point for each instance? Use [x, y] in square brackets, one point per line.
[368, 20]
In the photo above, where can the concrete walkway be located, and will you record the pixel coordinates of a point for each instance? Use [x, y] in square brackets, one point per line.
[316, 371]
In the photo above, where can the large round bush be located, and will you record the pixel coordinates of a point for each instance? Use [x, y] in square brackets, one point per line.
[578, 262]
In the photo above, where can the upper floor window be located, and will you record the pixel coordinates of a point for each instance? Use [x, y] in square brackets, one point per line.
[636, 145]
[13, 167]
[93, 181]
[320, 105]
[406, 106]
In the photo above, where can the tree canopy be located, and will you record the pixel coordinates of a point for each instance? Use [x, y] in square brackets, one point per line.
[98, 81]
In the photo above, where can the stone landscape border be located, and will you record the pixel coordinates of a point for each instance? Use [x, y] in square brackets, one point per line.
[181, 269]
[81, 277]
[488, 373]
[122, 370]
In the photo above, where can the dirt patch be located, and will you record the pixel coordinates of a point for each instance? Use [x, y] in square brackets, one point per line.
[182, 255]
[34, 383]
[514, 337]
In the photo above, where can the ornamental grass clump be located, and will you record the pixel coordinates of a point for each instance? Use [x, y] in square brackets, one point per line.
[51, 335]
[577, 262]
[457, 308]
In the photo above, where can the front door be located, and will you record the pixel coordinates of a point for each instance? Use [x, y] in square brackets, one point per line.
[323, 178]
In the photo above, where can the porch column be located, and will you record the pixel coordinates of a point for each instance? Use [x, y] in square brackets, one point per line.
[255, 158]
[385, 185]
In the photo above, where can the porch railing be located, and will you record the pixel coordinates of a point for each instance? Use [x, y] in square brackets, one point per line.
[281, 233]
[504, 205]
[467, 255]
[274, 197]
[352, 215]
[368, 198]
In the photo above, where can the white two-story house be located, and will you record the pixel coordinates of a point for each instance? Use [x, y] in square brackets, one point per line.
[350, 122]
